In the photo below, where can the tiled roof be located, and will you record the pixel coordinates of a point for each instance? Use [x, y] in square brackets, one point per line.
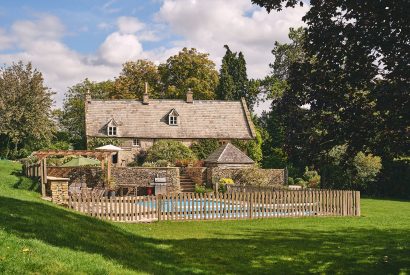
[228, 154]
[200, 119]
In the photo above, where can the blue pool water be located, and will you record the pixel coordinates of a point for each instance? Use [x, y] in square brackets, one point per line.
[216, 209]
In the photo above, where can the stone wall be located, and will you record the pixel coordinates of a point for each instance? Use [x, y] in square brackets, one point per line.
[143, 176]
[79, 176]
[59, 191]
[275, 176]
[138, 176]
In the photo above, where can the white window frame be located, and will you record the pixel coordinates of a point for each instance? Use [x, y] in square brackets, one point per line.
[136, 142]
[173, 120]
[112, 131]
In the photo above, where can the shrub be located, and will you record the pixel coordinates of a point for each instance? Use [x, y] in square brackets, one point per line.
[162, 163]
[204, 147]
[148, 164]
[300, 181]
[170, 151]
[201, 189]
[367, 168]
[223, 182]
[312, 178]
[252, 176]
[290, 181]
[158, 163]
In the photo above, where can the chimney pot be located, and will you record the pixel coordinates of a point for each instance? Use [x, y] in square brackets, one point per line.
[190, 96]
[145, 96]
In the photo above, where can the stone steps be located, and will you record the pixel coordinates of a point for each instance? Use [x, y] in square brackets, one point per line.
[186, 183]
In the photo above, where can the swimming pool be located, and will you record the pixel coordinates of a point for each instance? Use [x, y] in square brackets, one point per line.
[202, 208]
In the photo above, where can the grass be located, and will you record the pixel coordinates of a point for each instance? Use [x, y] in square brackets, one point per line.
[38, 237]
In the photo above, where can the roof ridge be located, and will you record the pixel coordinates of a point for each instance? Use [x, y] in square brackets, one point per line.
[223, 151]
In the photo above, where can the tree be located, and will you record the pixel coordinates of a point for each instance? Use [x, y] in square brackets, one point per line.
[284, 126]
[355, 83]
[25, 111]
[189, 69]
[72, 119]
[233, 79]
[131, 82]
[170, 151]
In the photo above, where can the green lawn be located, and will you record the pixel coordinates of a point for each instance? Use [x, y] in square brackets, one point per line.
[39, 237]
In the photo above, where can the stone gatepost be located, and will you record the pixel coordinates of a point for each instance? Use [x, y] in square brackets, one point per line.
[59, 189]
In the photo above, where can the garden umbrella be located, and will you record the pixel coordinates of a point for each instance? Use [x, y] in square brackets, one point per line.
[81, 161]
[109, 147]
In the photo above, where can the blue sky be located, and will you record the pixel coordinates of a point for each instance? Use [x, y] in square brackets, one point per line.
[71, 40]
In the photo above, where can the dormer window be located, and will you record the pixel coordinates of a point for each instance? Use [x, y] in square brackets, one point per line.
[173, 118]
[112, 130]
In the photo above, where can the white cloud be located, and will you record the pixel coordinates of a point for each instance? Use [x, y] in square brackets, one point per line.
[40, 42]
[128, 24]
[205, 25]
[210, 24]
[118, 48]
[5, 40]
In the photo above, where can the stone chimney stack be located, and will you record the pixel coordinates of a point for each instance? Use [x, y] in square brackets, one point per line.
[88, 97]
[189, 96]
[145, 96]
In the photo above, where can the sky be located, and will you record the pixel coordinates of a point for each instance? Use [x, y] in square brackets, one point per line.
[70, 40]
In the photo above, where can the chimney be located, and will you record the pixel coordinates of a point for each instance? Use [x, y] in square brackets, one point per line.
[189, 96]
[88, 97]
[145, 96]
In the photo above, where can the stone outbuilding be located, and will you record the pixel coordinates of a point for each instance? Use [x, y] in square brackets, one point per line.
[229, 156]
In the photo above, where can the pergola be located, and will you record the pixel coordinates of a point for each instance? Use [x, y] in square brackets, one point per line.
[102, 155]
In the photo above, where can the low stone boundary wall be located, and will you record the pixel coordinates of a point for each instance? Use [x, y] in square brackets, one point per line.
[143, 176]
[274, 176]
[138, 176]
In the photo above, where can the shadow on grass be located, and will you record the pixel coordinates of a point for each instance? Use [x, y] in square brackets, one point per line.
[24, 182]
[246, 250]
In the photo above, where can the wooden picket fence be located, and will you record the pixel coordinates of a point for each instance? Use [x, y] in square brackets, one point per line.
[32, 170]
[218, 206]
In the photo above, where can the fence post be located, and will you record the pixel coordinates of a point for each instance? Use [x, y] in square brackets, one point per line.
[251, 206]
[159, 206]
[358, 203]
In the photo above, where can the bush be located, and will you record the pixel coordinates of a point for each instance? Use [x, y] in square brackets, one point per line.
[312, 178]
[201, 189]
[301, 182]
[223, 182]
[158, 163]
[252, 176]
[170, 151]
[290, 181]
[162, 163]
[204, 147]
[148, 164]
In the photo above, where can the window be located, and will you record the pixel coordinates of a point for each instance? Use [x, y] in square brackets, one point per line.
[136, 142]
[173, 120]
[112, 130]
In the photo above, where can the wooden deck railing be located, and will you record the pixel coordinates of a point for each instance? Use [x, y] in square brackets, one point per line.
[218, 206]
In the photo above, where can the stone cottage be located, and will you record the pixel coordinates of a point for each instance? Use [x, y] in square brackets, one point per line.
[138, 124]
